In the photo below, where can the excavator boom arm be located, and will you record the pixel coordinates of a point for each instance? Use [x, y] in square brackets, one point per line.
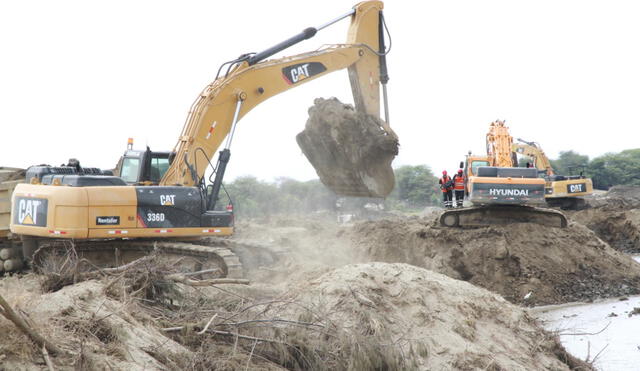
[499, 143]
[540, 159]
[226, 100]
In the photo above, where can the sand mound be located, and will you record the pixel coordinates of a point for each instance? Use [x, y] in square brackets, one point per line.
[615, 217]
[525, 263]
[351, 151]
[315, 317]
[398, 316]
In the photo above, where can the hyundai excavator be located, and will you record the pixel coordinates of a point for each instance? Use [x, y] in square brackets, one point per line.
[161, 200]
[564, 191]
[501, 192]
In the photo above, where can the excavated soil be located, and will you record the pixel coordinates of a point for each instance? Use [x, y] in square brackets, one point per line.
[401, 317]
[350, 151]
[614, 217]
[525, 263]
[313, 311]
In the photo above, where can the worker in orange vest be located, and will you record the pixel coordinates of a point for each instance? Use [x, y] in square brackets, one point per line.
[458, 187]
[446, 185]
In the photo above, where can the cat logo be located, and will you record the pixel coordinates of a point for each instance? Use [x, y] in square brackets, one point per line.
[30, 211]
[576, 188]
[167, 200]
[299, 72]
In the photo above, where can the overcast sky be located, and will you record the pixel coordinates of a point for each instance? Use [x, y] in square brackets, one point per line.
[77, 78]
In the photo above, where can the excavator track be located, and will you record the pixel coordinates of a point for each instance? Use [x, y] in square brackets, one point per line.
[193, 256]
[482, 216]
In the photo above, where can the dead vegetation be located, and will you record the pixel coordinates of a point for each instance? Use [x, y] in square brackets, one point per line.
[371, 316]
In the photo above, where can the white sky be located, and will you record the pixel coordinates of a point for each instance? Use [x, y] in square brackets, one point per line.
[77, 78]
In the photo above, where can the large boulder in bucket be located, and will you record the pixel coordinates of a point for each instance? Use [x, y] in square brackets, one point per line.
[350, 151]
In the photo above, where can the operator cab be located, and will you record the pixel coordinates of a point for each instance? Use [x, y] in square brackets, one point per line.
[143, 167]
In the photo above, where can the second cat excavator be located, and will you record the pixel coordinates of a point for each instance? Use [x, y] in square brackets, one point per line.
[564, 191]
[161, 200]
[501, 192]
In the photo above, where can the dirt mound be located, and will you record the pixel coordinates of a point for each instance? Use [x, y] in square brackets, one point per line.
[315, 317]
[614, 217]
[398, 316]
[351, 151]
[525, 263]
[618, 197]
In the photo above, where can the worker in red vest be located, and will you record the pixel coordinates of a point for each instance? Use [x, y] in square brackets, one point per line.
[458, 187]
[446, 185]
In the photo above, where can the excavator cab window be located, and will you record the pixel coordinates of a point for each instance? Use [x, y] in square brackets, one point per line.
[130, 169]
[476, 164]
[159, 166]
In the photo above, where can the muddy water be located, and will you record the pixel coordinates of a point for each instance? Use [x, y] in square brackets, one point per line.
[605, 327]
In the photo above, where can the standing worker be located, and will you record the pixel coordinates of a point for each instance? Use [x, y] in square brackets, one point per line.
[458, 187]
[446, 185]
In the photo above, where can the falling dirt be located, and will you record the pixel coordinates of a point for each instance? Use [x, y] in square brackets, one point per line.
[525, 263]
[350, 151]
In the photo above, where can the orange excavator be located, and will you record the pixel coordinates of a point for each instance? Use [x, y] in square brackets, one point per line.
[501, 192]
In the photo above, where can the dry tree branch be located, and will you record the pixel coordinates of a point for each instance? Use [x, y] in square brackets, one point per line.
[593, 361]
[246, 368]
[214, 281]
[208, 324]
[303, 324]
[47, 360]
[12, 316]
[585, 333]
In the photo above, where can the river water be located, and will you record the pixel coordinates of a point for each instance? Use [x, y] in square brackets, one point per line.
[605, 329]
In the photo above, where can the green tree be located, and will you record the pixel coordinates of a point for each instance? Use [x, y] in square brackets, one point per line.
[254, 198]
[569, 162]
[616, 168]
[416, 186]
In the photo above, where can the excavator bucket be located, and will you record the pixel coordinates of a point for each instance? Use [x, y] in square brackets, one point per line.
[351, 151]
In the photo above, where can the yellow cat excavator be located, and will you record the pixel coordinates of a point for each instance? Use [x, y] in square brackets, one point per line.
[161, 199]
[501, 192]
[564, 191]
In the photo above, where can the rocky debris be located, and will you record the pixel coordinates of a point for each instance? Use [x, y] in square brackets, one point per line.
[525, 263]
[350, 151]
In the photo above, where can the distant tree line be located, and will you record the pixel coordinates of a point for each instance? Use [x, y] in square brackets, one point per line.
[416, 186]
[610, 169]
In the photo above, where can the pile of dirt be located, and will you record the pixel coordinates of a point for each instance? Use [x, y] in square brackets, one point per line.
[614, 217]
[318, 312]
[398, 316]
[525, 263]
[350, 151]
